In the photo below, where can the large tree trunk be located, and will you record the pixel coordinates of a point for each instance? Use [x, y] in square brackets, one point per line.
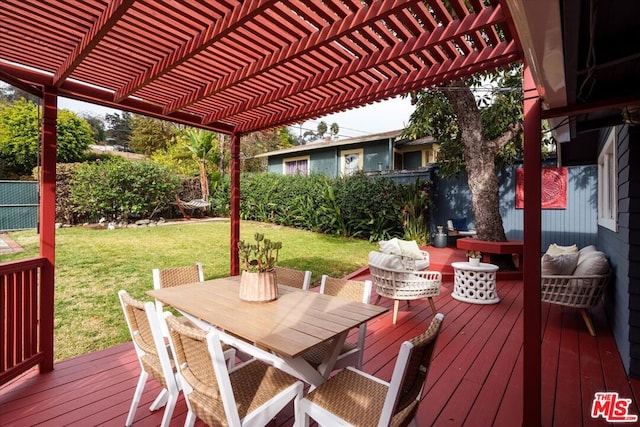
[480, 160]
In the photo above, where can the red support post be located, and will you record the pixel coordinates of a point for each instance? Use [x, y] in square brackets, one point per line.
[235, 203]
[47, 224]
[532, 357]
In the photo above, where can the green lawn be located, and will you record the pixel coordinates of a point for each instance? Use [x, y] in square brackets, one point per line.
[92, 265]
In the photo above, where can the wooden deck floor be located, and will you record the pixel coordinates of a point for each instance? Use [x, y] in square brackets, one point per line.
[475, 378]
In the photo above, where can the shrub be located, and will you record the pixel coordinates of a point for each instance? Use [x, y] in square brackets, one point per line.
[121, 189]
[362, 206]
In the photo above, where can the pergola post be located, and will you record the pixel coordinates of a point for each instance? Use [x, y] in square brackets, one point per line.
[235, 203]
[532, 377]
[47, 223]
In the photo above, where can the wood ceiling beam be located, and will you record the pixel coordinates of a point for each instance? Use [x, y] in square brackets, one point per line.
[92, 94]
[493, 57]
[220, 28]
[469, 24]
[112, 14]
[340, 28]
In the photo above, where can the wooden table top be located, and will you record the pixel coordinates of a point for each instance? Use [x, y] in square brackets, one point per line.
[295, 322]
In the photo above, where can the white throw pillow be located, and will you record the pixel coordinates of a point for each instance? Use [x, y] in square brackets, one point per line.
[410, 248]
[383, 260]
[594, 263]
[559, 265]
[555, 249]
[390, 246]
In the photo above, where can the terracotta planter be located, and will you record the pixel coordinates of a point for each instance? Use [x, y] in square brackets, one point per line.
[258, 287]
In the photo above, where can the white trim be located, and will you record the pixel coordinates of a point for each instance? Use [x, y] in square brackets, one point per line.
[608, 183]
[295, 159]
[343, 163]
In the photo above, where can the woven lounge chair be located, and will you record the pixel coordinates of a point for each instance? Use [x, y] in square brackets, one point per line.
[153, 356]
[251, 394]
[393, 280]
[351, 352]
[353, 397]
[294, 278]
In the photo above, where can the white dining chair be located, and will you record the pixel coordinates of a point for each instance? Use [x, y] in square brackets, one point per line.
[175, 276]
[353, 397]
[251, 393]
[295, 278]
[352, 352]
[153, 356]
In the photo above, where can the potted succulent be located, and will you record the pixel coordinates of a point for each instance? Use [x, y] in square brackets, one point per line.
[474, 257]
[258, 282]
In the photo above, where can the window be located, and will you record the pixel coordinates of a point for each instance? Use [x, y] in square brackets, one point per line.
[608, 184]
[351, 161]
[296, 165]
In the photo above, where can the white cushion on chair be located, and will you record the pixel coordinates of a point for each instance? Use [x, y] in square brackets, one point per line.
[390, 246]
[555, 249]
[382, 260]
[594, 263]
[561, 265]
[410, 248]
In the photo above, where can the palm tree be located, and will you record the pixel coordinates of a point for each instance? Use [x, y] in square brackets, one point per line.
[200, 144]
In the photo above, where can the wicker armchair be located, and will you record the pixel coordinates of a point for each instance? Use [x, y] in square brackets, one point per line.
[352, 397]
[250, 394]
[582, 292]
[393, 280]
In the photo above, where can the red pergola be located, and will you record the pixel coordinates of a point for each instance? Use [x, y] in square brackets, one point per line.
[236, 67]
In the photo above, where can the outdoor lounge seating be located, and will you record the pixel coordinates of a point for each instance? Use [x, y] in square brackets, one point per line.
[574, 278]
[351, 353]
[393, 280]
[412, 257]
[353, 397]
[250, 394]
[153, 355]
[294, 278]
[459, 227]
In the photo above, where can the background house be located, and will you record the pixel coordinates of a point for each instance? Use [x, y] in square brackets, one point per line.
[376, 152]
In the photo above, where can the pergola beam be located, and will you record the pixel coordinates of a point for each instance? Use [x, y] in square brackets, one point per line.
[115, 10]
[490, 58]
[190, 48]
[326, 35]
[468, 25]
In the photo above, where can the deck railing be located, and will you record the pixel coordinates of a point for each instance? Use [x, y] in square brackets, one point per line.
[20, 317]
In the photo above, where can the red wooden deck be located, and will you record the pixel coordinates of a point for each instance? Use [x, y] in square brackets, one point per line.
[475, 378]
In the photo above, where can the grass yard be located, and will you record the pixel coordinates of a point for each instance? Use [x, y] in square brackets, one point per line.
[92, 265]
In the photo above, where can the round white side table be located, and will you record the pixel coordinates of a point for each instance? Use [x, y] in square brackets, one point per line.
[475, 284]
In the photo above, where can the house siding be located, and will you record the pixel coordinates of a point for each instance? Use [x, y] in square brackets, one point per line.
[575, 224]
[622, 301]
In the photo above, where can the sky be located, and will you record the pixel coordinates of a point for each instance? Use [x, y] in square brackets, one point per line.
[379, 117]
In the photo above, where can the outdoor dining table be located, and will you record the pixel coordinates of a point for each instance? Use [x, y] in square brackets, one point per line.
[294, 323]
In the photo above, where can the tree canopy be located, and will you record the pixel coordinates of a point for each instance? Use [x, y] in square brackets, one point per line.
[478, 123]
[20, 137]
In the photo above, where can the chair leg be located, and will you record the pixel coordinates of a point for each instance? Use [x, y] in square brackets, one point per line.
[378, 299]
[433, 305]
[396, 304]
[168, 409]
[587, 321]
[160, 401]
[136, 397]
